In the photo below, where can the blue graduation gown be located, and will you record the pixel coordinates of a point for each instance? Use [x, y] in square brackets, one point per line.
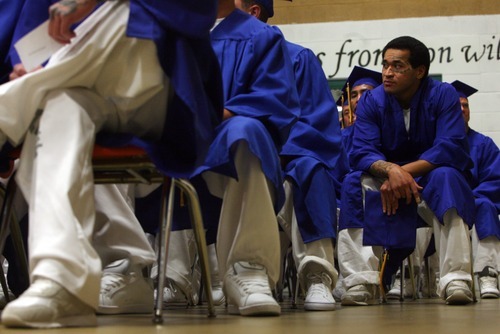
[318, 159]
[347, 134]
[437, 135]
[9, 13]
[259, 89]
[181, 31]
[485, 183]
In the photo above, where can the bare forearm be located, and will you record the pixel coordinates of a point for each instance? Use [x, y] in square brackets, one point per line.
[418, 168]
[381, 168]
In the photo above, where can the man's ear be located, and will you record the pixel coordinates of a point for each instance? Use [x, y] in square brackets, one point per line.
[421, 72]
[255, 10]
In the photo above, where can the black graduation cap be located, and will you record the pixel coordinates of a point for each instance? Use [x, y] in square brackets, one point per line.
[360, 76]
[463, 89]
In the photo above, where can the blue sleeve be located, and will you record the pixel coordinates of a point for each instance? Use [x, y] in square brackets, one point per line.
[191, 18]
[487, 169]
[9, 12]
[266, 88]
[317, 133]
[366, 142]
[450, 146]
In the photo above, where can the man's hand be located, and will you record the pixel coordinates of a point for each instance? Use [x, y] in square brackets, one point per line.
[399, 184]
[64, 14]
[389, 202]
[19, 70]
[403, 184]
[227, 114]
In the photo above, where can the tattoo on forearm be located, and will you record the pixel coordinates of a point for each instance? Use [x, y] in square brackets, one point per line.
[67, 7]
[381, 168]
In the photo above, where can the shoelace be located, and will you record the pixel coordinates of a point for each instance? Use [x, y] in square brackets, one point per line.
[318, 282]
[319, 278]
[488, 282]
[253, 285]
[111, 281]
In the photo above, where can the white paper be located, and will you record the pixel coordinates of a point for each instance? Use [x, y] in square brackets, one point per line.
[36, 47]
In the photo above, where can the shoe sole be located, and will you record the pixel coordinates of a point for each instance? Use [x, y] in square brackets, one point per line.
[489, 295]
[351, 302]
[132, 309]
[459, 298]
[13, 321]
[255, 310]
[319, 306]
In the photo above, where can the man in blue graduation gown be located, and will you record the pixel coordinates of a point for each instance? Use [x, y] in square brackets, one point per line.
[359, 81]
[486, 189]
[314, 163]
[411, 152]
[125, 66]
[242, 166]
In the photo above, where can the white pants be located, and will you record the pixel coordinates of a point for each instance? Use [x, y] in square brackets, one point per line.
[486, 252]
[248, 229]
[102, 80]
[359, 264]
[424, 235]
[313, 256]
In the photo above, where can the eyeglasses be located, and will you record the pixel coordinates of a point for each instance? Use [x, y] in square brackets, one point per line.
[396, 67]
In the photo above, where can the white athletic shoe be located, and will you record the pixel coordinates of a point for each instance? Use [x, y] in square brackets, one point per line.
[319, 296]
[46, 304]
[247, 290]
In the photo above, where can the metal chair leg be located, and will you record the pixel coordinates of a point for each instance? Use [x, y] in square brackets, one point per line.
[402, 281]
[163, 239]
[10, 224]
[201, 244]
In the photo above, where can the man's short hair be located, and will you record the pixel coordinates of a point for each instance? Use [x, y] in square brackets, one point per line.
[419, 53]
[264, 13]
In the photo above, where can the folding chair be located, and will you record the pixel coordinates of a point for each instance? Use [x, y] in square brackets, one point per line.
[131, 164]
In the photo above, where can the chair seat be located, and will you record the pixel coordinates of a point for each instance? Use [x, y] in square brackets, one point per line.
[128, 164]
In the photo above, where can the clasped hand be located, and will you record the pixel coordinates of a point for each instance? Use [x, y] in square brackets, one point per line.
[399, 185]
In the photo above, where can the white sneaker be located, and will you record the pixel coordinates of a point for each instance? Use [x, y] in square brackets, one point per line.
[173, 293]
[361, 295]
[125, 293]
[458, 293]
[247, 290]
[395, 291]
[488, 283]
[319, 296]
[46, 304]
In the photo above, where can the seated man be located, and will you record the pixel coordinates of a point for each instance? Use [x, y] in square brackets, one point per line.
[88, 82]
[409, 149]
[124, 289]
[485, 187]
[359, 81]
[314, 163]
[242, 167]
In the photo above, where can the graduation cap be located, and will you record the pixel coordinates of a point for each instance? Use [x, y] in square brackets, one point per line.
[360, 76]
[268, 6]
[463, 89]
